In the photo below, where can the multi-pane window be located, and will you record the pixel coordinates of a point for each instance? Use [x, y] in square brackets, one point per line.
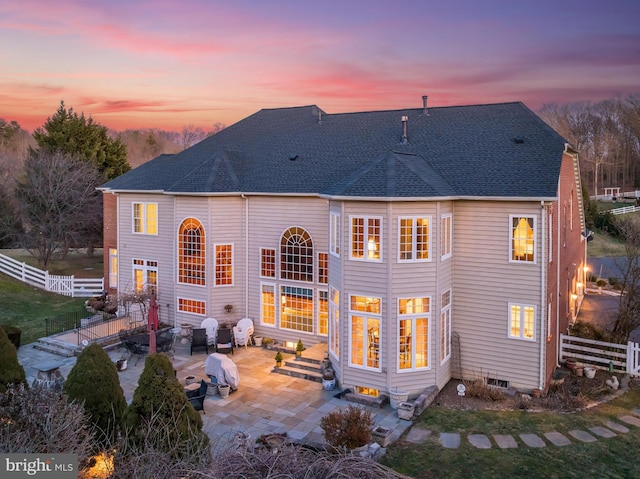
[445, 236]
[145, 276]
[323, 268]
[334, 319]
[268, 304]
[191, 252]
[296, 308]
[224, 264]
[445, 326]
[366, 237]
[323, 313]
[296, 255]
[414, 317]
[522, 321]
[414, 239]
[192, 306]
[334, 234]
[145, 218]
[267, 263]
[522, 238]
[113, 268]
[364, 331]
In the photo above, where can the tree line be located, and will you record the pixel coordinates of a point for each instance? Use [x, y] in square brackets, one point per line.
[48, 198]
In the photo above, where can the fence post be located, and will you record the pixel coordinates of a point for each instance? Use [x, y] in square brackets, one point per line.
[630, 357]
[47, 284]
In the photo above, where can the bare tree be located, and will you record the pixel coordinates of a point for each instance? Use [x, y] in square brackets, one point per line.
[628, 317]
[191, 135]
[58, 202]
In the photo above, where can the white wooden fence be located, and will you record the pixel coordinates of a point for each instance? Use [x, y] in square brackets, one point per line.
[624, 357]
[65, 285]
[624, 210]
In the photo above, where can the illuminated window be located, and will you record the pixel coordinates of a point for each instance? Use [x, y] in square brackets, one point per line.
[323, 313]
[267, 263]
[296, 255]
[446, 243]
[364, 332]
[414, 239]
[145, 218]
[334, 319]
[268, 305]
[113, 268]
[522, 321]
[445, 326]
[296, 309]
[191, 252]
[224, 264]
[323, 268]
[414, 318]
[145, 276]
[192, 306]
[522, 239]
[366, 238]
[334, 234]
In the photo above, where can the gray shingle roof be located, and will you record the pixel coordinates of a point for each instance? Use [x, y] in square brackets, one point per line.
[466, 151]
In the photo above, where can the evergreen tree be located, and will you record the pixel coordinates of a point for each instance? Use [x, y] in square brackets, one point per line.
[94, 382]
[70, 133]
[11, 371]
[159, 397]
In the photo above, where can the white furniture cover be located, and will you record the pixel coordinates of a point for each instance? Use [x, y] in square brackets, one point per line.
[242, 332]
[223, 369]
[211, 325]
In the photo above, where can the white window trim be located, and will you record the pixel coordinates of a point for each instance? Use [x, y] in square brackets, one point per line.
[182, 311]
[522, 337]
[276, 298]
[143, 219]
[446, 310]
[215, 264]
[550, 236]
[414, 243]
[317, 259]
[366, 315]
[316, 306]
[413, 317]
[334, 234]
[535, 239]
[334, 307]
[450, 235]
[366, 243]
[145, 268]
[275, 263]
[113, 276]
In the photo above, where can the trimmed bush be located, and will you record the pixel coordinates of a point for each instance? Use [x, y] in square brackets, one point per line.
[13, 333]
[350, 427]
[94, 382]
[160, 397]
[11, 371]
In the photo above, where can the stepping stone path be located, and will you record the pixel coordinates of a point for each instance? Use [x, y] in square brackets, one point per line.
[507, 441]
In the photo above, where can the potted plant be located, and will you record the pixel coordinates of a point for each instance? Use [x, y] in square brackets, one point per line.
[600, 283]
[299, 348]
[328, 379]
[121, 364]
[267, 342]
[278, 358]
[257, 340]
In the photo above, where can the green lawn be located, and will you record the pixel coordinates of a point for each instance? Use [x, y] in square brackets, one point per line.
[606, 458]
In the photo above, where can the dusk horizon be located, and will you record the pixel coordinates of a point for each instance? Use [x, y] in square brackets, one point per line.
[165, 65]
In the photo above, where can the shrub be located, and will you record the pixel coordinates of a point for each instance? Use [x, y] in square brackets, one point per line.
[13, 333]
[300, 346]
[94, 382]
[11, 371]
[479, 389]
[278, 356]
[160, 397]
[350, 427]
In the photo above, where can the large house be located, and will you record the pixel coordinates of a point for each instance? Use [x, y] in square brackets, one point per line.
[419, 244]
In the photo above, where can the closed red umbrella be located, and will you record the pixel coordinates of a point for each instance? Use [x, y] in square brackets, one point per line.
[153, 323]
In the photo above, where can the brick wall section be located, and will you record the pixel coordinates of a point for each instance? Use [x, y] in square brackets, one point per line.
[110, 233]
[568, 259]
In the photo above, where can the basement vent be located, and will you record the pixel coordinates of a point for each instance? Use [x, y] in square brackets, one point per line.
[498, 383]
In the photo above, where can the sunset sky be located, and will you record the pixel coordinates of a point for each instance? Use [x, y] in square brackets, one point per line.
[166, 64]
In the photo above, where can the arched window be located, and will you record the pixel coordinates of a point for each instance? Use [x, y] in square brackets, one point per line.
[191, 252]
[296, 255]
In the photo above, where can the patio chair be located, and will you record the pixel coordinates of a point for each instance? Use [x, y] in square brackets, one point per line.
[135, 349]
[196, 397]
[164, 341]
[199, 340]
[211, 325]
[224, 342]
[242, 332]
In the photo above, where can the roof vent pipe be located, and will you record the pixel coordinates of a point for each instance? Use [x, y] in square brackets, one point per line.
[319, 116]
[425, 112]
[405, 122]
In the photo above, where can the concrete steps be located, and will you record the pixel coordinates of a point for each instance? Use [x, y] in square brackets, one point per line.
[60, 348]
[307, 366]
